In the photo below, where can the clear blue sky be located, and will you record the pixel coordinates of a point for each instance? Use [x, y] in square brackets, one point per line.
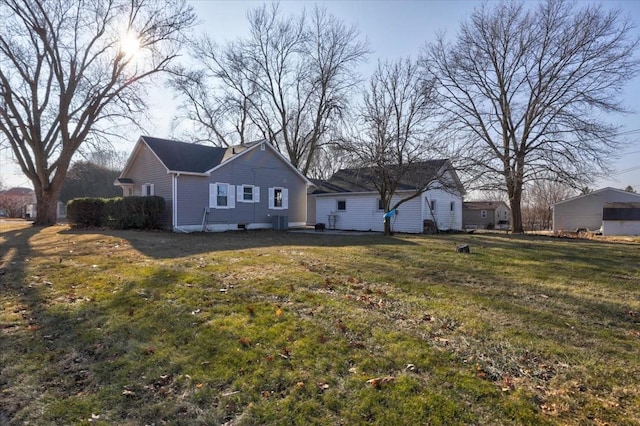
[394, 29]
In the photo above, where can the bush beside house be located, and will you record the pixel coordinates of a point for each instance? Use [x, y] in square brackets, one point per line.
[116, 213]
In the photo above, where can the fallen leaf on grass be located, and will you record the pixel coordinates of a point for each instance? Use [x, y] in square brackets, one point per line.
[322, 386]
[378, 382]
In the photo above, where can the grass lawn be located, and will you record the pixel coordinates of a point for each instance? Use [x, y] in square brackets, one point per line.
[253, 328]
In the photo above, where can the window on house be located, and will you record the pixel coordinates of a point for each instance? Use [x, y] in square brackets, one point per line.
[248, 194]
[129, 192]
[222, 196]
[342, 205]
[483, 214]
[452, 205]
[433, 205]
[147, 190]
[380, 205]
[278, 198]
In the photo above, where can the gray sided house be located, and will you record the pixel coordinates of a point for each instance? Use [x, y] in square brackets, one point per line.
[586, 211]
[349, 200]
[486, 215]
[206, 188]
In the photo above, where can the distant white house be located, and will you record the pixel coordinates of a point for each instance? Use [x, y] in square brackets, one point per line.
[586, 211]
[350, 201]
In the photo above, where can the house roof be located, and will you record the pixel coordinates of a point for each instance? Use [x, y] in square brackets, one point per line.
[18, 192]
[620, 191]
[364, 179]
[189, 158]
[185, 157]
[483, 205]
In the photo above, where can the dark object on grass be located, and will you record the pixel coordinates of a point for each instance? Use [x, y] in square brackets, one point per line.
[463, 248]
[320, 226]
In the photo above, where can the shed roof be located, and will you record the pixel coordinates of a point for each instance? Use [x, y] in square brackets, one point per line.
[599, 191]
[483, 205]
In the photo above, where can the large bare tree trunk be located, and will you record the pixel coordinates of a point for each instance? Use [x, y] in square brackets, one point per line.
[47, 205]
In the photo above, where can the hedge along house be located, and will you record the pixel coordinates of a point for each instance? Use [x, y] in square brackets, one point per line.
[349, 200]
[206, 188]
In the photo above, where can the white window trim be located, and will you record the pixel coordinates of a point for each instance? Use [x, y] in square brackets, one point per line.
[151, 190]
[285, 198]
[255, 194]
[338, 209]
[213, 196]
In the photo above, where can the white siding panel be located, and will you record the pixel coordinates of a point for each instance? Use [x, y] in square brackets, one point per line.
[620, 227]
[362, 213]
[442, 215]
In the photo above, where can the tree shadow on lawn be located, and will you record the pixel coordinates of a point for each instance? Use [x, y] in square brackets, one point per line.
[168, 245]
[66, 356]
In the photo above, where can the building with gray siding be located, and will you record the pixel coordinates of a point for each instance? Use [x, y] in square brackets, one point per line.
[217, 189]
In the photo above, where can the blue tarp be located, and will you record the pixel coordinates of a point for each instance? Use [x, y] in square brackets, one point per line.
[390, 213]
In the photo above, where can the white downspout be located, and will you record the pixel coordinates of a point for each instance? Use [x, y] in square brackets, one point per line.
[174, 206]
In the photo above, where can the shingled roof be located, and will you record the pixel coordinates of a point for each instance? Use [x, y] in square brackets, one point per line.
[364, 179]
[483, 205]
[185, 157]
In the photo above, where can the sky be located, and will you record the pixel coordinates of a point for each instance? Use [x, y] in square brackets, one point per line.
[394, 30]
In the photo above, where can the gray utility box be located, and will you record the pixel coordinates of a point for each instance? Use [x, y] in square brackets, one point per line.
[280, 222]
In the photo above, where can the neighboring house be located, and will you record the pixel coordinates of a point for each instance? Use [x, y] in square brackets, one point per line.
[621, 219]
[586, 211]
[21, 202]
[486, 215]
[350, 201]
[208, 188]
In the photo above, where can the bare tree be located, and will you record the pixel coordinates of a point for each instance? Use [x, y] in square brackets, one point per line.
[69, 68]
[392, 143]
[288, 82]
[524, 89]
[540, 195]
[14, 201]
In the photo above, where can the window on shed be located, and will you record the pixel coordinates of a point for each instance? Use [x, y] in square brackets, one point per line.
[342, 205]
[483, 214]
[433, 205]
[380, 205]
[452, 205]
